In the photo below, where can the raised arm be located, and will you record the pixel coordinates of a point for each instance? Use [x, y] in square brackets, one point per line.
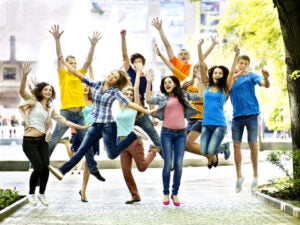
[94, 40]
[231, 78]
[180, 75]
[157, 23]
[265, 82]
[167, 62]
[71, 68]
[26, 70]
[91, 72]
[214, 42]
[136, 87]
[202, 67]
[57, 34]
[124, 50]
[149, 78]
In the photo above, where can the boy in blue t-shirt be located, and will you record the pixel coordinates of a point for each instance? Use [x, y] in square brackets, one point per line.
[245, 114]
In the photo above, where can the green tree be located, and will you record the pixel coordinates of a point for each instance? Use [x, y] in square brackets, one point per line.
[289, 18]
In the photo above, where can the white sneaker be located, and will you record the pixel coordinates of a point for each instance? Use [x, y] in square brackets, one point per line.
[254, 184]
[56, 172]
[238, 186]
[32, 200]
[42, 199]
[139, 133]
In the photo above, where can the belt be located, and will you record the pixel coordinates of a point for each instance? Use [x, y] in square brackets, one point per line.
[174, 130]
[30, 138]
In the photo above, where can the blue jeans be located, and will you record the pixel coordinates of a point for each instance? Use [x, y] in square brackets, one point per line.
[173, 146]
[251, 124]
[211, 138]
[196, 125]
[146, 124]
[107, 131]
[60, 130]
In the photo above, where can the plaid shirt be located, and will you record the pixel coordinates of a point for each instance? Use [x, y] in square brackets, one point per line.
[102, 101]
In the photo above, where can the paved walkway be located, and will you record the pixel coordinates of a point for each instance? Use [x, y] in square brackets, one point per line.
[207, 197]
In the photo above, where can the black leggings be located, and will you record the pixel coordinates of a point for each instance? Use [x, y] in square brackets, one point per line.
[37, 151]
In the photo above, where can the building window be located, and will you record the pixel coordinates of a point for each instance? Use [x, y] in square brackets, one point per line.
[9, 73]
[209, 17]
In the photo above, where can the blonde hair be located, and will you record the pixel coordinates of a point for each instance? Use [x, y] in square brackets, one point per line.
[130, 88]
[123, 80]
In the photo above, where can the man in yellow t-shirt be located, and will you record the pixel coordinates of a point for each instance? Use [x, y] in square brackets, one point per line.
[72, 96]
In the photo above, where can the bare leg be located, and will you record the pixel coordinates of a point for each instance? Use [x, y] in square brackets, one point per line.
[79, 166]
[254, 158]
[238, 159]
[67, 144]
[85, 180]
[191, 145]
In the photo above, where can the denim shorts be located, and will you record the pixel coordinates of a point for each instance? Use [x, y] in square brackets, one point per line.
[251, 124]
[194, 125]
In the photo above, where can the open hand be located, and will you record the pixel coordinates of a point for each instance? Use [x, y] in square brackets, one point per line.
[26, 68]
[157, 23]
[55, 31]
[96, 37]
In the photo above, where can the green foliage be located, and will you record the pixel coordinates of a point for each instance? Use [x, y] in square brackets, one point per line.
[7, 197]
[279, 158]
[287, 187]
[295, 75]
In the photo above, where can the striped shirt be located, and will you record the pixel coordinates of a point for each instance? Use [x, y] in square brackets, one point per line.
[102, 101]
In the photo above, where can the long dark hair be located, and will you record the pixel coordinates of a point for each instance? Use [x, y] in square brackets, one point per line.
[177, 91]
[222, 83]
[37, 91]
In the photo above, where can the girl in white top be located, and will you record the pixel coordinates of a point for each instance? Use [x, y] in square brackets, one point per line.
[38, 114]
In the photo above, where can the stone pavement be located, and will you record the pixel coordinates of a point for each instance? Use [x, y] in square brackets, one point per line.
[207, 198]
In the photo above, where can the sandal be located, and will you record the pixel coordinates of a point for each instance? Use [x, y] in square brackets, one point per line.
[133, 201]
[82, 199]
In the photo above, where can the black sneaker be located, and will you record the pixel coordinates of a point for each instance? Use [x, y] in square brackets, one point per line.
[98, 175]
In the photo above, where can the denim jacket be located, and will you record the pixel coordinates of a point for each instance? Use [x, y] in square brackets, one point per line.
[25, 108]
[161, 100]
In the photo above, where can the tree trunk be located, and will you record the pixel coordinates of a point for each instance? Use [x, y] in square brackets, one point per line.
[289, 17]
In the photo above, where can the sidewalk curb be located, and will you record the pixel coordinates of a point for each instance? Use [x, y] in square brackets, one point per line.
[6, 212]
[283, 206]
